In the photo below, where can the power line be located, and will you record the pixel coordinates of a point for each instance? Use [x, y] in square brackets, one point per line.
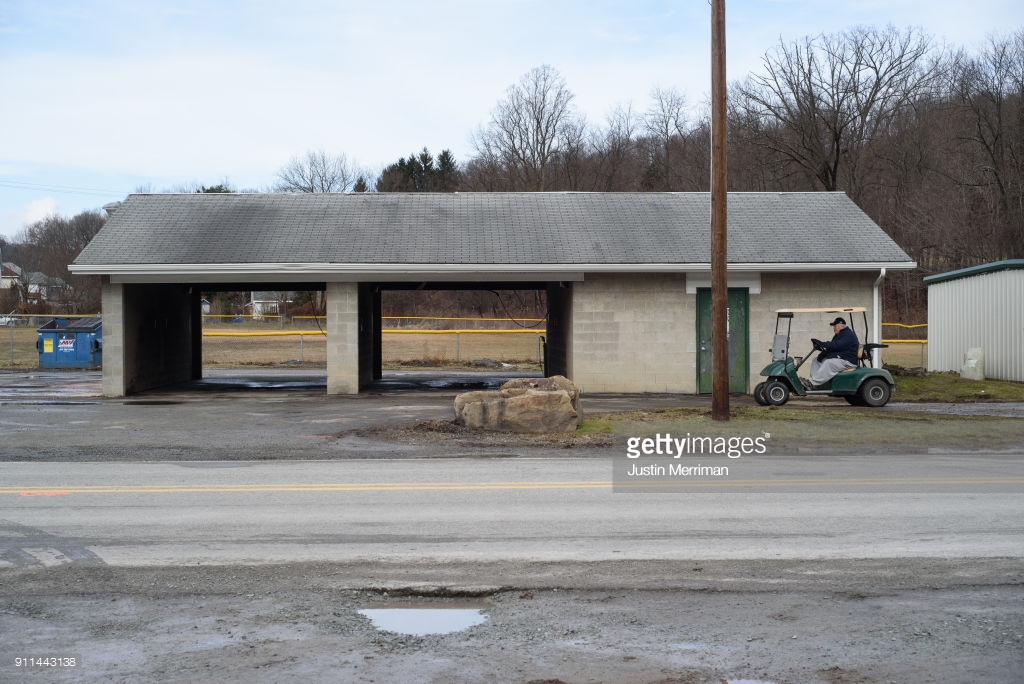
[68, 189]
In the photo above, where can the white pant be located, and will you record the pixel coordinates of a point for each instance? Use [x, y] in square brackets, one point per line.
[823, 371]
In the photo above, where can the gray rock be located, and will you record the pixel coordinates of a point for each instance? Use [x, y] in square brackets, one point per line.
[538, 405]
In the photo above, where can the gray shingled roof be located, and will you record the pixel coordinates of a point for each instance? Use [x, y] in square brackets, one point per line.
[485, 228]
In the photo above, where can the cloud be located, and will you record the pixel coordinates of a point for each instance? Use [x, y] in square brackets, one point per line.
[13, 221]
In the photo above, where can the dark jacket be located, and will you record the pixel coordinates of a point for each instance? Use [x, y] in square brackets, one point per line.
[843, 345]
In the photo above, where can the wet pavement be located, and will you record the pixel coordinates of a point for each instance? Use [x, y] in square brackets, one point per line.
[54, 387]
[57, 386]
[424, 387]
[49, 386]
[39, 384]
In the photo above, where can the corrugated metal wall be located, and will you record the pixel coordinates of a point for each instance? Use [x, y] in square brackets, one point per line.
[985, 310]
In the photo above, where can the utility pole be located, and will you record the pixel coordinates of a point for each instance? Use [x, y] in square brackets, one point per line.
[719, 204]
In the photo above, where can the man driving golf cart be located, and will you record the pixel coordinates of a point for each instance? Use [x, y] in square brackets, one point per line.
[842, 368]
[835, 356]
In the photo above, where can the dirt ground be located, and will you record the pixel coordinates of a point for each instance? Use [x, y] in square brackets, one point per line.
[813, 621]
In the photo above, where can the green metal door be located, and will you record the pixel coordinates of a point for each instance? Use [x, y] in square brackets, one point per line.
[739, 342]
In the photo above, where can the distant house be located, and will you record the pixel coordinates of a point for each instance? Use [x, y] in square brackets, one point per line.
[978, 308]
[44, 288]
[264, 303]
[10, 290]
[10, 275]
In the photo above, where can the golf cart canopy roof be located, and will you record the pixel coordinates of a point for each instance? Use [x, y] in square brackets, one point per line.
[832, 309]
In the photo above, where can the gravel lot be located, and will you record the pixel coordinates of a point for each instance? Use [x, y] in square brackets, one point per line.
[855, 621]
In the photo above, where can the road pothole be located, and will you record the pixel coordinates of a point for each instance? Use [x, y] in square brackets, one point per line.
[426, 618]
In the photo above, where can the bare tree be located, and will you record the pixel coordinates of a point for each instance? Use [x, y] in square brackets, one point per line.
[616, 158]
[573, 156]
[49, 245]
[528, 128]
[823, 100]
[317, 172]
[988, 92]
[665, 126]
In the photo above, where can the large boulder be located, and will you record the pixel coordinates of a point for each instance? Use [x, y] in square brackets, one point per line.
[522, 405]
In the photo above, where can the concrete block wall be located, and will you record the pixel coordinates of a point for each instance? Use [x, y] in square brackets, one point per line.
[637, 333]
[803, 291]
[342, 300]
[633, 333]
[114, 357]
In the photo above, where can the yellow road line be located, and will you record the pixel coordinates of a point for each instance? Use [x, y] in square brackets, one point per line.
[51, 490]
[812, 482]
[297, 487]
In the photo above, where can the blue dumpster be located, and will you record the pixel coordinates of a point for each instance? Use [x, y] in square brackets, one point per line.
[71, 343]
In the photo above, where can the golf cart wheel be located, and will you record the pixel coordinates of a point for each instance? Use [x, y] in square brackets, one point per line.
[759, 394]
[853, 399]
[776, 393]
[875, 392]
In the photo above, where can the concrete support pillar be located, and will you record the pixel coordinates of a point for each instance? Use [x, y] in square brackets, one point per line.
[113, 339]
[342, 301]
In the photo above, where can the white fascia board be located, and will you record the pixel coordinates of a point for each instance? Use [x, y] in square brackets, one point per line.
[291, 272]
[213, 273]
[831, 267]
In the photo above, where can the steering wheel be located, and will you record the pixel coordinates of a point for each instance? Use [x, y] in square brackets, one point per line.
[818, 344]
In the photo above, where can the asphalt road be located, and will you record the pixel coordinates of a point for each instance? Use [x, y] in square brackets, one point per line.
[225, 474]
[546, 509]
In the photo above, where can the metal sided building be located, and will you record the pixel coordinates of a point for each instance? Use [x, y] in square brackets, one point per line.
[627, 276]
[978, 307]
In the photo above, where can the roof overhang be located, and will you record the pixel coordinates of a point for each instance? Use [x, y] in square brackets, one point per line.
[1006, 265]
[290, 272]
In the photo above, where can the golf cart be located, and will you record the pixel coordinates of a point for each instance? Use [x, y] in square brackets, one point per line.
[861, 385]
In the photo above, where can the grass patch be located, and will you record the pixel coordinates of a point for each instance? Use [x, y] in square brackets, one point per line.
[829, 428]
[950, 387]
[595, 426]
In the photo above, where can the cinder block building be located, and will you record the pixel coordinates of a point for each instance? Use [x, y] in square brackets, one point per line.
[627, 275]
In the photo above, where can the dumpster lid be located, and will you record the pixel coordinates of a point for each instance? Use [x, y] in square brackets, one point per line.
[82, 324]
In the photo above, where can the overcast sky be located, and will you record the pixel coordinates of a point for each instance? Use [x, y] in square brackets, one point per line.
[99, 98]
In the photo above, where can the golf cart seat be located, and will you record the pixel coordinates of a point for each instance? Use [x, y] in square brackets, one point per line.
[864, 352]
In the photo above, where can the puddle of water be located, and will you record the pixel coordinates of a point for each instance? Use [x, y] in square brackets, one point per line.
[425, 619]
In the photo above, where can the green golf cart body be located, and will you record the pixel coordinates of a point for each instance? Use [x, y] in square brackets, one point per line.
[862, 385]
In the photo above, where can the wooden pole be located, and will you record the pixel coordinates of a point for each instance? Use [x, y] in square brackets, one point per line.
[719, 242]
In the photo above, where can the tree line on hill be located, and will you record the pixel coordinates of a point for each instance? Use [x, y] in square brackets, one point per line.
[927, 139]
